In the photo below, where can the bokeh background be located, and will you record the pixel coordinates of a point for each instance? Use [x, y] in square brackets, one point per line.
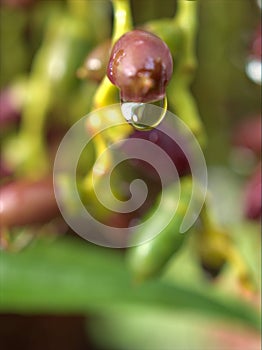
[58, 291]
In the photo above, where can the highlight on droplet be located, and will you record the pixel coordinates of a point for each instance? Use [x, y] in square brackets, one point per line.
[144, 116]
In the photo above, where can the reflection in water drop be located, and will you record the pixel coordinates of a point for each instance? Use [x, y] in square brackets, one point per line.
[259, 3]
[253, 70]
[144, 116]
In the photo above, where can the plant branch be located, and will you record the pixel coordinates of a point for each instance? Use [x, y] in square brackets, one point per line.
[179, 94]
[107, 93]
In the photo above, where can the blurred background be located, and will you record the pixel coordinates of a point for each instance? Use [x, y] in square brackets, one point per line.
[56, 289]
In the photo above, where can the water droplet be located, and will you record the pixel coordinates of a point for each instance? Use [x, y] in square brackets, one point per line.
[144, 116]
[253, 70]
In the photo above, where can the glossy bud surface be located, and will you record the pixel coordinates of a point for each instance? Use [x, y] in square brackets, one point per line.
[140, 66]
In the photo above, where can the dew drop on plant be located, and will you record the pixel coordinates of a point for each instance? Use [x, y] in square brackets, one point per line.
[253, 70]
[144, 116]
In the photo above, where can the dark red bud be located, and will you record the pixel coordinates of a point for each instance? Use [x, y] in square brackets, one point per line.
[24, 202]
[140, 66]
[248, 134]
[95, 64]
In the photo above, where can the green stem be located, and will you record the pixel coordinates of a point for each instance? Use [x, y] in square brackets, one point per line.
[79, 8]
[169, 31]
[33, 159]
[35, 110]
[180, 97]
[122, 17]
[222, 244]
[107, 93]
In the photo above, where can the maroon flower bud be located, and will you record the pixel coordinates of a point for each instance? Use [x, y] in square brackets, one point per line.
[140, 66]
[94, 67]
[24, 202]
[256, 44]
[248, 134]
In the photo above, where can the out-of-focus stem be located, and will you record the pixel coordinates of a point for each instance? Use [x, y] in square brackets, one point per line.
[36, 107]
[180, 97]
[79, 8]
[222, 244]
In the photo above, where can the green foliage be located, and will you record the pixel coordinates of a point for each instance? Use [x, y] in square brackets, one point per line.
[72, 276]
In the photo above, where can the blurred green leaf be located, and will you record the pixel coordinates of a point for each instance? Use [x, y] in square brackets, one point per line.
[136, 329]
[70, 275]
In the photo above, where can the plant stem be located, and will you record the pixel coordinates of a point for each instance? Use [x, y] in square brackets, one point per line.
[178, 91]
[79, 8]
[107, 93]
[122, 17]
[33, 120]
[220, 243]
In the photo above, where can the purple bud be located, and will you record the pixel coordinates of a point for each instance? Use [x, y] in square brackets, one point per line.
[94, 67]
[26, 202]
[140, 66]
[248, 134]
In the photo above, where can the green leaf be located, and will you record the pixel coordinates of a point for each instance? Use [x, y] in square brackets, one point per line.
[70, 275]
[136, 329]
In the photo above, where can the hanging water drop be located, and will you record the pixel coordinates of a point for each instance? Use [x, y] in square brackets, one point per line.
[144, 116]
